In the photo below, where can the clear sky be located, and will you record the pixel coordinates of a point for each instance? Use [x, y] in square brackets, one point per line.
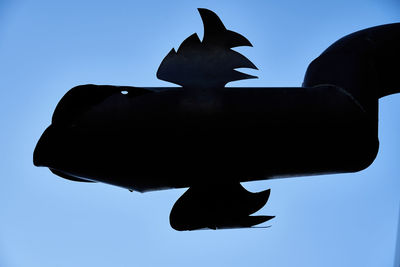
[47, 47]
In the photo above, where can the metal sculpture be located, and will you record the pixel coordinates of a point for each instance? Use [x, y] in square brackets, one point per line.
[211, 138]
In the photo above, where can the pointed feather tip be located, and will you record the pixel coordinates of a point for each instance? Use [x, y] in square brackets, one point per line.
[238, 75]
[162, 71]
[211, 21]
[213, 25]
[236, 39]
[240, 61]
[266, 193]
[190, 42]
[205, 11]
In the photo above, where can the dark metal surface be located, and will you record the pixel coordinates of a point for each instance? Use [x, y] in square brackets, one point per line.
[211, 138]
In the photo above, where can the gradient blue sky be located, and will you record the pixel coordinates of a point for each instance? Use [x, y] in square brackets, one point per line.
[47, 47]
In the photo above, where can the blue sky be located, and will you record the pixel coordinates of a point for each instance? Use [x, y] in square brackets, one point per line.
[47, 47]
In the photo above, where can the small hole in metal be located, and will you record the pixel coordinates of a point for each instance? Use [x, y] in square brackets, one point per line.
[124, 92]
